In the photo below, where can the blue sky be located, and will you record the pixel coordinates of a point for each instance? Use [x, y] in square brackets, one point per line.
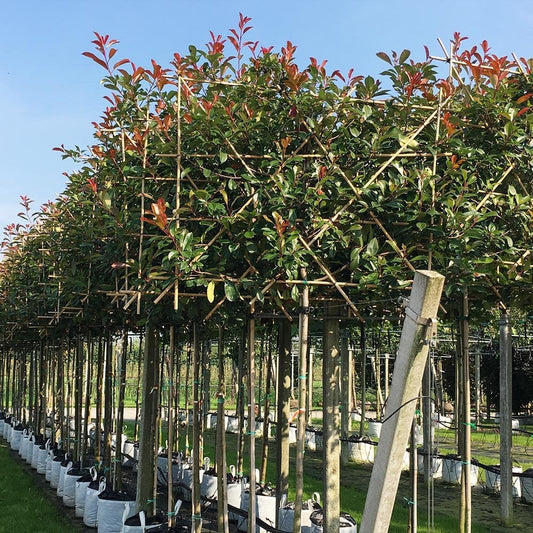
[50, 93]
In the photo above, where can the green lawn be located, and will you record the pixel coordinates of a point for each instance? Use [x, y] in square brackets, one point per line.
[23, 507]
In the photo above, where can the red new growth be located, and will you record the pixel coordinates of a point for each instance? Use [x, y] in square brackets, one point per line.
[91, 183]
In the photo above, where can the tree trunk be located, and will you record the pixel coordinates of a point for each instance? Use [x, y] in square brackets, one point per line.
[170, 424]
[61, 391]
[121, 378]
[240, 407]
[302, 400]
[330, 416]
[363, 379]
[78, 395]
[195, 501]
[99, 398]
[108, 401]
[466, 497]
[283, 413]
[345, 391]
[426, 424]
[222, 487]
[88, 392]
[146, 488]
[506, 414]
[252, 508]
[412, 526]
[266, 420]
[138, 389]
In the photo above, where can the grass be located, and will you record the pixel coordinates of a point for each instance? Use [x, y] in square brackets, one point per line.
[23, 506]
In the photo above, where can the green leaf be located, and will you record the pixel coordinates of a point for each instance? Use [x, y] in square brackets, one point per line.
[372, 247]
[230, 291]
[295, 293]
[223, 156]
[404, 56]
[385, 57]
[211, 292]
[355, 257]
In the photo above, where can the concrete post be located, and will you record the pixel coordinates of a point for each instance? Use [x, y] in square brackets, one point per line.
[406, 380]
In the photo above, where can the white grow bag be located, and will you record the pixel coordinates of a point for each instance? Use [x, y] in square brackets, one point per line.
[48, 466]
[90, 513]
[28, 449]
[138, 523]
[234, 491]
[527, 485]
[209, 483]
[61, 484]
[232, 424]
[42, 454]
[313, 440]
[360, 451]
[265, 510]
[186, 479]
[35, 455]
[69, 486]
[452, 469]
[24, 443]
[82, 484]
[111, 511]
[286, 514]
[56, 469]
[374, 429]
[493, 481]
[346, 523]
[7, 427]
[16, 439]
[162, 470]
[31, 458]
[436, 466]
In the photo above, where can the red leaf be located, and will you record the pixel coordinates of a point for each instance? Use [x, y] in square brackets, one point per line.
[523, 98]
[95, 59]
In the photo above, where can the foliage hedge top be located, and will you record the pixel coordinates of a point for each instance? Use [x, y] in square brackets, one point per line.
[234, 167]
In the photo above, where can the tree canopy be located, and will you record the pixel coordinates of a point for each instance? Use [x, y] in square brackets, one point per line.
[212, 181]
